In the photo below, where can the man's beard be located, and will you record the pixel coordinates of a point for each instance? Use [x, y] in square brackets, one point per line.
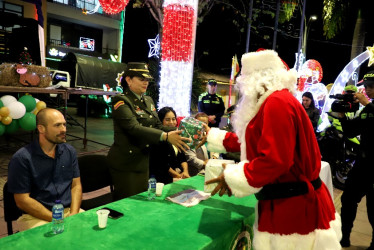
[57, 139]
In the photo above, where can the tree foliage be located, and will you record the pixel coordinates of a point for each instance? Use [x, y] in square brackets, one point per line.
[334, 15]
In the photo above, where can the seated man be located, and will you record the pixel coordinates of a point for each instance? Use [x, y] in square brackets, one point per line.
[44, 171]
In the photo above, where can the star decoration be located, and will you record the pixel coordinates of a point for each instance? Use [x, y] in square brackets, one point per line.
[119, 78]
[154, 46]
[371, 55]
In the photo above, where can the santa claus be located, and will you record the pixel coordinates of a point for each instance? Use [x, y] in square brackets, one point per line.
[280, 160]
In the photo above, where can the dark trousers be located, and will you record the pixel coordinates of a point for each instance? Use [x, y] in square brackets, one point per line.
[359, 183]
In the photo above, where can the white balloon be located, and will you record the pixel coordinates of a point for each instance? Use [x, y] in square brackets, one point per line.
[36, 101]
[8, 99]
[16, 110]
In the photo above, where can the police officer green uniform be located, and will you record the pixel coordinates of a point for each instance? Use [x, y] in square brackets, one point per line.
[136, 127]
[212, 104]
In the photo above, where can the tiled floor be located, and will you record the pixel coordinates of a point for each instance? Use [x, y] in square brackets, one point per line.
[100, 130]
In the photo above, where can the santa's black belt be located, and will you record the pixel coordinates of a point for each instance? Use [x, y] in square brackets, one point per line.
[286, 190]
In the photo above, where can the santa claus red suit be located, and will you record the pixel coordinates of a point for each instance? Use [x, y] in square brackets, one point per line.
[280, 160]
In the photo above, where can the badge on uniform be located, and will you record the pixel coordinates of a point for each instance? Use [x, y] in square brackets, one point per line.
[138, 111]
[153, 107]
[118, 104]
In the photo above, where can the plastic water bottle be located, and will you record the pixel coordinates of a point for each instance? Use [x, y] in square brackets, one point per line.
[58, 217]
[152, 188]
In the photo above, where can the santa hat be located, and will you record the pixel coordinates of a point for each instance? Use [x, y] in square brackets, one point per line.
[261, 60]
[264, 70]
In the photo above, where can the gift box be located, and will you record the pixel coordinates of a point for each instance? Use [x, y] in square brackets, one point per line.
[193, 129]
[213, 169]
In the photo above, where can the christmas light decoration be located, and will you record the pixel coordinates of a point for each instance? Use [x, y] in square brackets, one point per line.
[299, 61]
[311, 72]
[371, 55]
[178, 42]
[343, 77]
[25, 57]
[154, 46]
[119, 78]
[107, 98]
[339, 84]
[94, 10]
[113, 6]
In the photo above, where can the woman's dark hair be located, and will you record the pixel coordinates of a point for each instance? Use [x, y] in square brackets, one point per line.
[124, 83]
[162, 112]
[310, 96]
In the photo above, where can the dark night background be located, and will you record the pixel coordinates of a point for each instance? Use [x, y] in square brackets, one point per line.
[218, 39]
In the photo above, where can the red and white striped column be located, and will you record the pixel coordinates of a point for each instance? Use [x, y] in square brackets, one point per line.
[178, 46]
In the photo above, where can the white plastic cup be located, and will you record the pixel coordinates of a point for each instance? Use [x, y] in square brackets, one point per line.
[102, 216]
[159, 187]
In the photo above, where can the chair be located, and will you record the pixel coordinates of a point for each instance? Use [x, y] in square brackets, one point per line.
[11, 211]
[95, 175]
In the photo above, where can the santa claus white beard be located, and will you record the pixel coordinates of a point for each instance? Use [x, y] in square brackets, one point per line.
[254, 90]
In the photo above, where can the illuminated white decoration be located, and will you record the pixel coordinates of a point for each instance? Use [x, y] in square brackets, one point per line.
[355, 78]
[299, 62]
[177, 94]
[114, 58]
[56, 52]
[178, 43]
[154, 46]
[94, 10]
[340, 83]
[371, 55]
[343, 78]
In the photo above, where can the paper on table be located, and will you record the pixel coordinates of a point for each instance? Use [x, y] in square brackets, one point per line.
[189, 197]
[213, 169]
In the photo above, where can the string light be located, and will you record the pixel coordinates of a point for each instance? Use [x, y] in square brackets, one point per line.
[178, 41]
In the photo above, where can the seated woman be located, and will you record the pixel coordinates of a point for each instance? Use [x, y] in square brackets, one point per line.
[198, 158]
[310, 108]
[165, 158]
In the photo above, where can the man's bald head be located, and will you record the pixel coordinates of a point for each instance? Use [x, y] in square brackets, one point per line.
[43, 115]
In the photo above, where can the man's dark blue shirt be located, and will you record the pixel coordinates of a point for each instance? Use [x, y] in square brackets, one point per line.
[46, 179]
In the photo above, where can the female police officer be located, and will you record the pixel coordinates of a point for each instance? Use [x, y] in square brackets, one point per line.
[136, 127]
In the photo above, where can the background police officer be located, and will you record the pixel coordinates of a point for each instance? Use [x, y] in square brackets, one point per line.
[212, 104]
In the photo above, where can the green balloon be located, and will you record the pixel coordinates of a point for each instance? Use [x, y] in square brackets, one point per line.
[1, 104]
[29, 102]
[11, 128]
[2, 129]
[28, 122]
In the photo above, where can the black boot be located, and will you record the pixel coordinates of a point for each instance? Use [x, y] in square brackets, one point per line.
[345, 242]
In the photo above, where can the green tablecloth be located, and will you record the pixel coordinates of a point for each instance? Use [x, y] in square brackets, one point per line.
[159, 224]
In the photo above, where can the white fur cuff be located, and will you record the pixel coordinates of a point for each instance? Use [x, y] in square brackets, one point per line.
[215, 140]
[236, 180]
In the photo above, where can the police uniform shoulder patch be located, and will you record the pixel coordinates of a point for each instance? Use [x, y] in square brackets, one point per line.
[118, 104]
[202, 95]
